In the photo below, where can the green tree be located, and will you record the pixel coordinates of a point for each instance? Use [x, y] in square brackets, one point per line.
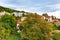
[56, 36]
[4, 34]
[35, 28]
[8, 20]
[23, 13]
[8, 23]
[44, 14]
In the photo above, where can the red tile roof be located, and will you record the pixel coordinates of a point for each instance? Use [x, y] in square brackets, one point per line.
[57, 22]
[47, 16]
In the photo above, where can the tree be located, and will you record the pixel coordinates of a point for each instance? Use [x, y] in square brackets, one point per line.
[45, 14]
[23, 13]
[4, 34]
[35, 28]
[8, 20]
[7, 28]
[56, 36]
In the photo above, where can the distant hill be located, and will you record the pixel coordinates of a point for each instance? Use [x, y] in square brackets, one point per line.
[7, 9]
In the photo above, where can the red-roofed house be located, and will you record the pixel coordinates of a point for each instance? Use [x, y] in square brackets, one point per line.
[48, 18]
[57, 23]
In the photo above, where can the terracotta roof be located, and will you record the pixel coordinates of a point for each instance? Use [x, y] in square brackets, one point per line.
[57, 22]
[47, 16]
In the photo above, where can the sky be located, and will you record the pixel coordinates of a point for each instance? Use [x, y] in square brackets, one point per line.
[51, 7]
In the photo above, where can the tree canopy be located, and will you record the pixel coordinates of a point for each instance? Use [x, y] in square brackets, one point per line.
[36, 28]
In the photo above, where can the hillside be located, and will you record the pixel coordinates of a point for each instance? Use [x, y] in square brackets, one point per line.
[7, 9]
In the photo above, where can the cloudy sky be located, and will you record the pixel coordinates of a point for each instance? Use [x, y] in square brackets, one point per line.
[52, 7]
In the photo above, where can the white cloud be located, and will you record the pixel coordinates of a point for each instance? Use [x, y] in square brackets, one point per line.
[55, 6]
[7, 5]
[56, 13]
[30, 9]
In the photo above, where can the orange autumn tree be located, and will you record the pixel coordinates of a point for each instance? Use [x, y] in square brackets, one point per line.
[35, 28]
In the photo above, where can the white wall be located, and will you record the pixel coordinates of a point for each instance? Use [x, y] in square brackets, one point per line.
[17, 14]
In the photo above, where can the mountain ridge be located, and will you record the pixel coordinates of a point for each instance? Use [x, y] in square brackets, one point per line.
[7, 9]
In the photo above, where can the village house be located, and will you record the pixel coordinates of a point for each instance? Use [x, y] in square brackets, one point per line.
[17, 14]
[2, 13]
[20, 14]
[47, 18]
[57, 23]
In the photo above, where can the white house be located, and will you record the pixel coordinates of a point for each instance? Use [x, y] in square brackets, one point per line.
[48, 18]
[2, 13]
[17, 14]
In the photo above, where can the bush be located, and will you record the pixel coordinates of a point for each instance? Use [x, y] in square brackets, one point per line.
[35, 28]
[54, 27]
[56, 36]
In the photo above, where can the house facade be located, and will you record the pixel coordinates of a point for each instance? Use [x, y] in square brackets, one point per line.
[17, 14]
[2, 13]
[48, 18]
